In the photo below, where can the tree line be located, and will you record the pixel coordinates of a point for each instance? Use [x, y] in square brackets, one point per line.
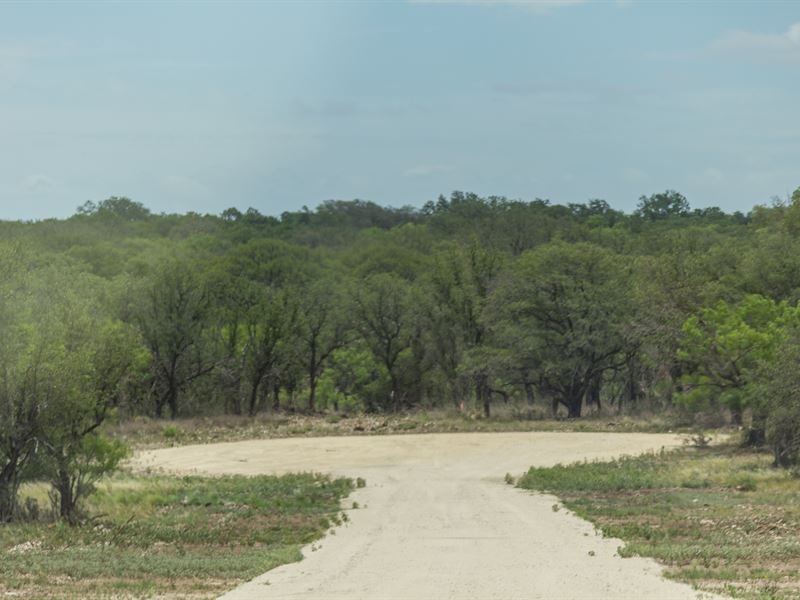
[468, 301]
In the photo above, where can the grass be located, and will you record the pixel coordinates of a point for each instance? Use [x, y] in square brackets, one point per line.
[176, 537]
[149, 433]
[720, 518]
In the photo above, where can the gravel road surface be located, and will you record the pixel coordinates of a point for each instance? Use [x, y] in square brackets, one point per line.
[436, 521]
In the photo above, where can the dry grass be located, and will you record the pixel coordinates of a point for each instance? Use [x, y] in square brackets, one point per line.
[142, 432]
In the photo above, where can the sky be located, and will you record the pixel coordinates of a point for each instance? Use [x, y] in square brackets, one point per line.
[200, 106]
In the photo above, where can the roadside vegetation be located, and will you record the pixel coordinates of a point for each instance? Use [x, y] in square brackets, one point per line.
[721, 518]
[159, 536]
[143, 432]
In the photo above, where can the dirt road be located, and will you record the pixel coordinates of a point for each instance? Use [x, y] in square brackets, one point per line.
[437, 522]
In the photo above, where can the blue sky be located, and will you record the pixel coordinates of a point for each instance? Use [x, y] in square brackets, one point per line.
[202, 106]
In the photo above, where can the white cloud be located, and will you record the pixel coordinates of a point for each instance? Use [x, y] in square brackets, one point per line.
[783, 47]
[540, 6]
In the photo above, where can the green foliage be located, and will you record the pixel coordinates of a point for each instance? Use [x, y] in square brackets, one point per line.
[183, 536]
[65, 365]
[662, 206]
[724, 345]
[469, 300]
[778, 386]
[322, 329]
[19, 407]
[352, 380]
[383, 307]
[75, 470]
[271, 332]
[627, 473]
[172, 316]
[563, 312]
[123, 209]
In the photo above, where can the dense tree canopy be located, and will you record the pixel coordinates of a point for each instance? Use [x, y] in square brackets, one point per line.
[353, 306]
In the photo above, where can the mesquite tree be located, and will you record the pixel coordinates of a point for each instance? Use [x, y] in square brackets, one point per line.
[173, 317]
[569, 311]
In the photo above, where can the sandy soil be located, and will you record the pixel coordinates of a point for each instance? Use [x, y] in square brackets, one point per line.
[437, 522]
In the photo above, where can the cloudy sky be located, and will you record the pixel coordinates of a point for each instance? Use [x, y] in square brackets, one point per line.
[201, 106]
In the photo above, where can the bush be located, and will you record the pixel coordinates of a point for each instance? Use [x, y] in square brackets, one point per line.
[75, 469]
[783, 430]
[780, 412]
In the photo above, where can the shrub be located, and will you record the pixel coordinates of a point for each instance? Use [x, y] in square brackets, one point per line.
[780, 402]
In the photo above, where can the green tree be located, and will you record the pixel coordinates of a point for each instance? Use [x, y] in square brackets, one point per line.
[722, 348]
[20, 407]
[234, 300]
[115, 208]
[778, 386]
[173, 317]
[271, 328]
[352, 379]
[572, 306]
[663, 205]
[20, 400]
[88, 371]
[384, 319]
[65, 363]
[269, 262]
[460, 282]
[323, 328]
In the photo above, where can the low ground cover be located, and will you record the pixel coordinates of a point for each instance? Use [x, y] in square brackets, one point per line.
[176, 537]
[721, 518]
[142, 433]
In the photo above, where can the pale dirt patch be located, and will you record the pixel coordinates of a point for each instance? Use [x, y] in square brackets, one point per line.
[437, 522]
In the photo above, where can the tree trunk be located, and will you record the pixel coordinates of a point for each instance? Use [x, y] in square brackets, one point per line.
[237, 402]
[172, 389]
[530, 398]
[67, 501]
[276, 396]
[253, 402]
[161, 400]
[593, 393]
[394, 397]
[9, 484]
[313, 372]
[483, 396]
[574, 403]
[172, 399]
[632, 393]
[312, 393]
[574, 410]
[755, 436]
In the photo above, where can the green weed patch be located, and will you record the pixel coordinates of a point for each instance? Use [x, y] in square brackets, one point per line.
[188, 537]
[722, 519]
